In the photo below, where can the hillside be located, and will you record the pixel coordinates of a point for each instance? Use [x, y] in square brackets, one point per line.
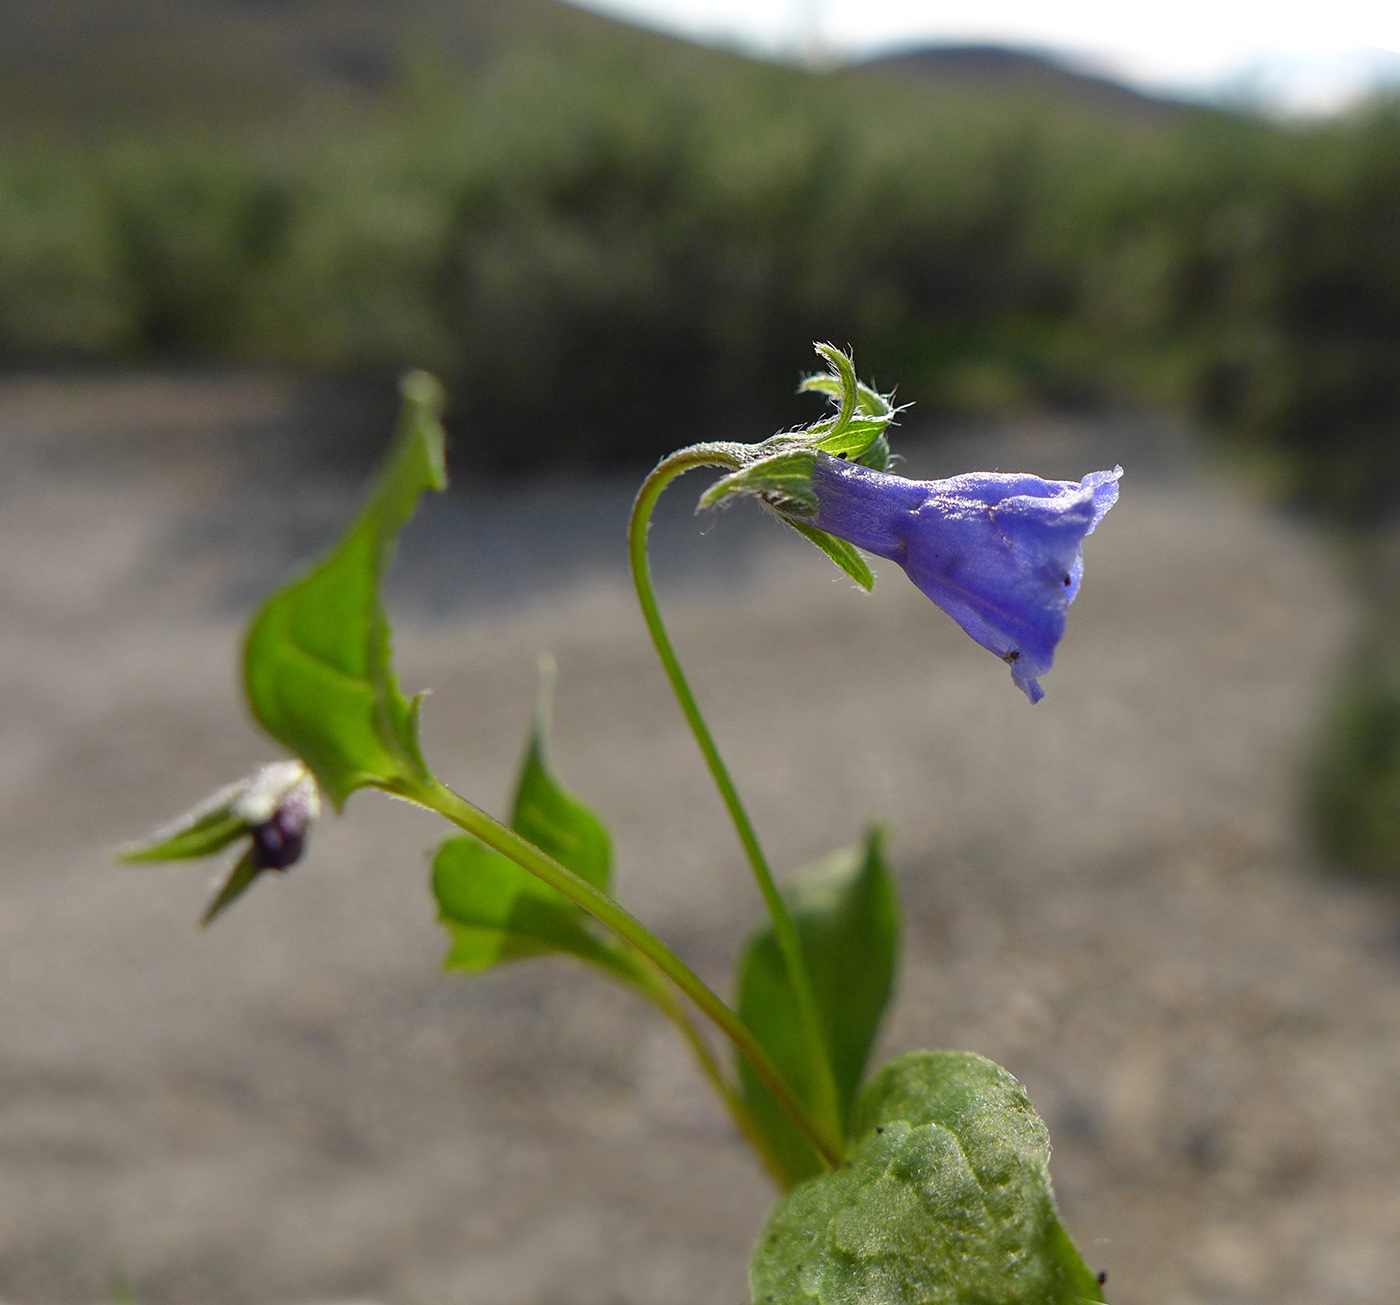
[996, 70]
[95, 66]
[91, 65]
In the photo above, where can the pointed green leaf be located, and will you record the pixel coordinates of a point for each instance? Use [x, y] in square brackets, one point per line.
[548, 814]
[847, 556]
[847, 920]
[317, 664]
[946, 1200]
[497, 912]
[239, 880]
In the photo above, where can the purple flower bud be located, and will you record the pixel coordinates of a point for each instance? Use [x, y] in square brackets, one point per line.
[1001, 554]
[279, 807]
[279, 842]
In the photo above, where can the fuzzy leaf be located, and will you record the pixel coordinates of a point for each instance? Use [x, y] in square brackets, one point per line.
[847, 920]
[946, 1200]
[317, 664]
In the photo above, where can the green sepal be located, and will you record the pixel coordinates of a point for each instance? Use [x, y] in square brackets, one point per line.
[783, 480]
[224, 817]
[843, 368]
[863, 413]
[498, 912]
[847, 556]
[208, 829]
[945, 1200]
[854, 438]
[317, 663]
[847, 918]
[876, 456]
[869, 402]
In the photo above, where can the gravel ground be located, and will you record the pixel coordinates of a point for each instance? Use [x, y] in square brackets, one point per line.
[1107, 893]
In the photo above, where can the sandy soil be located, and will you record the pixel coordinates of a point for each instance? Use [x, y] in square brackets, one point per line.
[1107, 893]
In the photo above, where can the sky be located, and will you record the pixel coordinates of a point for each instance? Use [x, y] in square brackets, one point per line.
[1311, 56]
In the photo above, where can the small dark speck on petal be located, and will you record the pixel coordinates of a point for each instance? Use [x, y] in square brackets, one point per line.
[1066, 582]
[1013, 656]
[1103, 1276]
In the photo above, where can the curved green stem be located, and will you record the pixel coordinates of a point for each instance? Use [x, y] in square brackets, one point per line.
[731, 457]
[438, 797]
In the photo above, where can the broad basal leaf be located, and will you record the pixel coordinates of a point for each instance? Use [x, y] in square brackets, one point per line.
[946, 1200]
[317, 664]
[847, 920]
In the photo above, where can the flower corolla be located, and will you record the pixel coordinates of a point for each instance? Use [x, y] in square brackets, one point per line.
[1001, 554]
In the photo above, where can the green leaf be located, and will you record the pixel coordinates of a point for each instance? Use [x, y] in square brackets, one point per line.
[946, 1200]
[317, 664]
[548, 814]
[239, 880]
[497, 912]
[847, 556]
[847, 920]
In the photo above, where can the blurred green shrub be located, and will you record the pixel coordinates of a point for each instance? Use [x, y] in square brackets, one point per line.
[573, 240]
[1356, 783]
[63, 291]
[1269, 261]
[577, 236]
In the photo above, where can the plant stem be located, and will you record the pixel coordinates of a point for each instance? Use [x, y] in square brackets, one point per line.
[730, 456]
[438, 797]
[664, 999]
